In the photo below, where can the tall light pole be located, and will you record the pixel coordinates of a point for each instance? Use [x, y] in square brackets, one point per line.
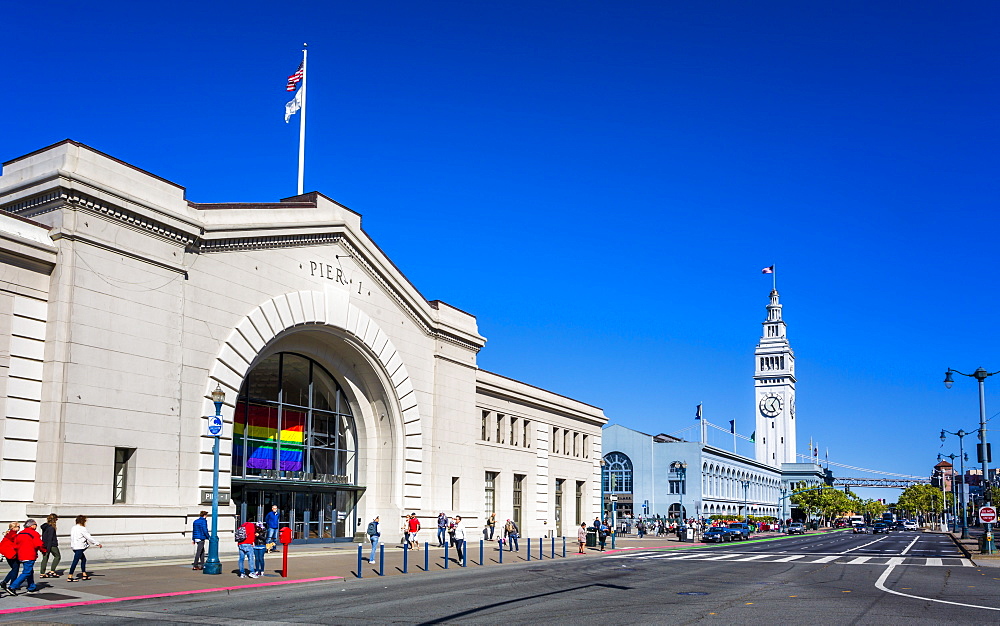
[680, 468]
[212, 564]
[603, 464]
[944, 496]
[965, 491]
[746, 506]
[984, 450]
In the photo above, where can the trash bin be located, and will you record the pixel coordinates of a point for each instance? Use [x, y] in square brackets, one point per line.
[591, 538]
[814, 525]
[682, 534]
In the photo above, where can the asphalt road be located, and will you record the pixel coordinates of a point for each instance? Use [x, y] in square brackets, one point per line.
[836, 578]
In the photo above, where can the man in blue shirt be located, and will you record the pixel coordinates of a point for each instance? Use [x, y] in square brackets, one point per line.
[199, 533]
[271, 520]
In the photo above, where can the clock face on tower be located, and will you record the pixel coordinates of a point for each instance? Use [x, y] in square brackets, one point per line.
[770, 406]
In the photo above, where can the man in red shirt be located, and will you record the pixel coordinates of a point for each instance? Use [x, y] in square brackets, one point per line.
[27, 542]
[412, 527]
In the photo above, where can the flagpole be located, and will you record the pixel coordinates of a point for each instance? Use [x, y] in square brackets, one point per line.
[774, 268]
[302, 124]
[734, 436]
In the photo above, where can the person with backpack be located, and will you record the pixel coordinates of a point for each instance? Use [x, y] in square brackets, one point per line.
[244, 536]
[511, 533]
[602, 534]
[259, 548]
[51, 543]
[9, 552]
[373, 535]
[28, 542]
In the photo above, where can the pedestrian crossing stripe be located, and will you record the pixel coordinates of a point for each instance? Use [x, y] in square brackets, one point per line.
[799, 559]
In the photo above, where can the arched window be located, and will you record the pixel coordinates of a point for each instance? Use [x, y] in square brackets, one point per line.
[293, 422]
[617, 473]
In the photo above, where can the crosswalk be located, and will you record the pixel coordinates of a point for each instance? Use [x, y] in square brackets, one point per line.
[797, 559]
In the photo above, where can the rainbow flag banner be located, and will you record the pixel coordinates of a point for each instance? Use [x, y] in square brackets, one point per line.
[260, 437]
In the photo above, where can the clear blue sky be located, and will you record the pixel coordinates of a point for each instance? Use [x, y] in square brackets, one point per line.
[600, 183]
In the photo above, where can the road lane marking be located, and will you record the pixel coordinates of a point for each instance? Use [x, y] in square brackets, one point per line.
[788, 558]
[866, 544]
[934, 562]
[910, 546]
[825, 559]
[754, 558]
[880, 584]
[859, 560]
[896, 560]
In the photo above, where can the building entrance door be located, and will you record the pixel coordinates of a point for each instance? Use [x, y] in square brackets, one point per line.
[312, 515]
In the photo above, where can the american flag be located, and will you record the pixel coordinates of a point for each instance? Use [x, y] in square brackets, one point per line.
[294, 78]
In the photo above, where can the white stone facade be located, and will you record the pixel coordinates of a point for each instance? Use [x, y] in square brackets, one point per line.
[123, 305]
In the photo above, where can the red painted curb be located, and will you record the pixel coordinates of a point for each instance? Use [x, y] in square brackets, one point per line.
[164, 595]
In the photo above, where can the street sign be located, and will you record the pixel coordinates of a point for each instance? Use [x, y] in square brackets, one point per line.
[987, 514]
[614, 498]
[213, 428]
[206, 497]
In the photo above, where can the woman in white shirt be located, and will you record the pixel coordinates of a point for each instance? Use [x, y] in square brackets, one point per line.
[79, 541]
[459, 538]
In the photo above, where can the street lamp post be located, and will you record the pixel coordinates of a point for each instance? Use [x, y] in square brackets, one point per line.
[746, 505]
[984, 451]
[212, 564]
[680, 468]
[603, 465]
[965, 491]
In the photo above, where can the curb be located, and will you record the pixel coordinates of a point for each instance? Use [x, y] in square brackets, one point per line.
[25, 609]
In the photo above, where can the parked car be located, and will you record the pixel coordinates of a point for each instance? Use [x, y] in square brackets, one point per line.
[741, 528]
[881, 527]
[717, 534]
[796, 529]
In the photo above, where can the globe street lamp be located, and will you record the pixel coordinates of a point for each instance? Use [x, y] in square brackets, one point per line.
[984, 451]
[944, 496]
[962, 457]
[680, 468]
[746, 506]
[603, 466]
[212, 564]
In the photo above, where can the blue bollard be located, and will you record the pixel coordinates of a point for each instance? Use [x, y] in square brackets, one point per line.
[501, 554]
[465, 554]
[446, 555]
[553, 546]
[427, 556]
[406, 553]
[541, 548]
[482, 554]
[359, 560]
[564, 547]
[529, 548]
[612, 540]
[381, 559]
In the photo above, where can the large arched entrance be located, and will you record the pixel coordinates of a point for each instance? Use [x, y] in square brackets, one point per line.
[296, 445]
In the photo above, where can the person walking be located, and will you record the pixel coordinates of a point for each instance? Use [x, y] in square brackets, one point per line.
[9, 552]
[28, 542]
[412, 528]
[79, 541]
[246, 534]
[459, 535]
[51, 543]
[373, 533]
[260, 537]
[442, 528]
[199, 533]
[602, 534]
[491, 523]
[511, 532]
[272, 519]
[581, 537]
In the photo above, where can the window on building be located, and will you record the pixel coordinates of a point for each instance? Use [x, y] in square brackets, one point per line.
[121, 477]
[676, 486]
[555, 441]
[500, 429]
[586, 447]
[513, 431]
[576, 444]
[617, 473]
[454, 493]
[518, 487]
[559, 506]
[579, 501]
[567, 443]
[293, 422]
[491, 493]
[486, 425]
[526, 434]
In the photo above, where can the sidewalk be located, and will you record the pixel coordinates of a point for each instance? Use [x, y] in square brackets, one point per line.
[970, 547]
[115, 581]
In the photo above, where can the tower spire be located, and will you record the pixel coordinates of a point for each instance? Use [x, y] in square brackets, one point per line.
[774, 381]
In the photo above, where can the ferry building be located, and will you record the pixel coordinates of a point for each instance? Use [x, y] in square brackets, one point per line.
[123, 305]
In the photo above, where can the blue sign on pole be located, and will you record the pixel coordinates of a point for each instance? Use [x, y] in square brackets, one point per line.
[215, 425]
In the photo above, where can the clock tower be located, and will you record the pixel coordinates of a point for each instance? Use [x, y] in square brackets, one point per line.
[774, 391]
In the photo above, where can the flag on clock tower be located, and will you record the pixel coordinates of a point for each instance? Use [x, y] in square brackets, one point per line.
[767, 270]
